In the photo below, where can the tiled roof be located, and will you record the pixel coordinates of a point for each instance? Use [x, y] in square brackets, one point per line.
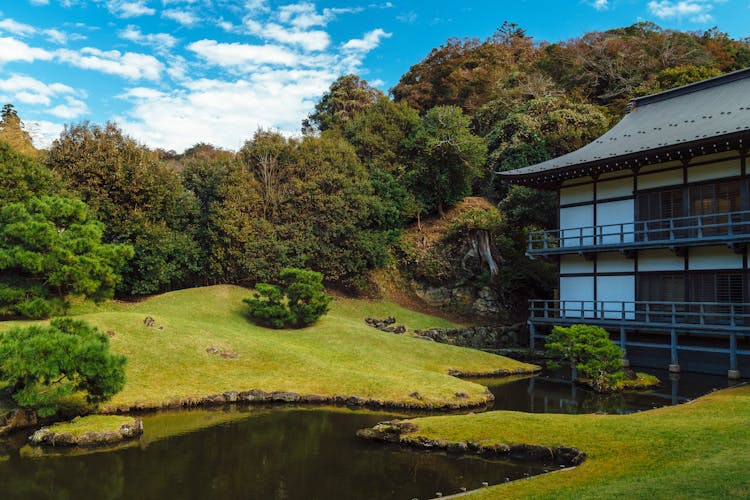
[711, 111]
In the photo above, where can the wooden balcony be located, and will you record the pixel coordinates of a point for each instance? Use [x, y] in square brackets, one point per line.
[731, 229]
[717, 320]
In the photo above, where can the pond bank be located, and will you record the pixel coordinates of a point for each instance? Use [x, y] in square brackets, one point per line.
[698, 448]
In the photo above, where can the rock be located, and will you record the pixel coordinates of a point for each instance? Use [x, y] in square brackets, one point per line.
[254, 395]
[229, 355]
[231, 396]
[212, 350]
[160, 327]
[47, 437]
[17, 419]
[111, 333]
[286, 397]
[213, 399]
[416, 395]
[149, 321]
[462, 395]
[385, 325]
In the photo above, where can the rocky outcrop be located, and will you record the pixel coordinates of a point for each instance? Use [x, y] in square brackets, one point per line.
[479, 337]
[386, 325]
[48, 437]
[403, 432]
[13, 420]
[482, 302]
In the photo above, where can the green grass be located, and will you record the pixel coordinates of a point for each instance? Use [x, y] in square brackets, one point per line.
[91, 423]
[696, 450]
[339, 355]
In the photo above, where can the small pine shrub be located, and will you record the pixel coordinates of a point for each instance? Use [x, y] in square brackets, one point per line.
[298, 301]
[589, 350]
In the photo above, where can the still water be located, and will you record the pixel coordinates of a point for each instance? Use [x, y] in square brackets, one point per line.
[295, 453]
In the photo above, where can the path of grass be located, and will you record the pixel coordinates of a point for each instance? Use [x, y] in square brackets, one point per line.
[339, 355]
[696, 450]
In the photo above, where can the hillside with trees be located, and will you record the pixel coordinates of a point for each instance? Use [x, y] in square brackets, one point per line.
[369, 165]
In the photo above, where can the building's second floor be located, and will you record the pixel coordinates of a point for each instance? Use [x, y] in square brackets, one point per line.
[671, 205]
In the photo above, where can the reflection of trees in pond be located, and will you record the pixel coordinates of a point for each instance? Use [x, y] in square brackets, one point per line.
[99, 476]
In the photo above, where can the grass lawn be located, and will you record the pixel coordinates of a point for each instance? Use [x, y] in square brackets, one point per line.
[696, 450]
[339, 355]
[91, 423]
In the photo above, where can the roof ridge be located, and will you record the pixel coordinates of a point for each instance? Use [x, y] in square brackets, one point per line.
[740, 74]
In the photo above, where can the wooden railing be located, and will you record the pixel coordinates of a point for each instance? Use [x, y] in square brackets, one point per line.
[681, 315]
[686, 231]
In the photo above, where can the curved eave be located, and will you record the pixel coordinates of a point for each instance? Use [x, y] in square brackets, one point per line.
[551, 179]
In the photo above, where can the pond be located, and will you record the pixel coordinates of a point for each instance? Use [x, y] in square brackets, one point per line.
[290, 453]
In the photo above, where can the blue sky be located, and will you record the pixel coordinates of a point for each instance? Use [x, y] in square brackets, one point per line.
[175, 72]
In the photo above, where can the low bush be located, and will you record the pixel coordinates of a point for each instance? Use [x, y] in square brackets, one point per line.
[298, 301]
[41, 365]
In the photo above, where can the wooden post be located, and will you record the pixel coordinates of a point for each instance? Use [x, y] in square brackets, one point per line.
[674, 366]
[733, 373]
[532, 333]
[624, 346]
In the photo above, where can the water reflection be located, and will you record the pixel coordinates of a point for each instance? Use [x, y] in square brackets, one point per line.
[553, 392]
[277, 453]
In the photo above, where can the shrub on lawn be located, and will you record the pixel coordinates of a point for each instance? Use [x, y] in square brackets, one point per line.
[41, 365]
[299, 300]
[590, 352]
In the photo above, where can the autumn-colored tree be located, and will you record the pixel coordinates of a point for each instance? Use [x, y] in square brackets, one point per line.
[347, 97]
[13, 131]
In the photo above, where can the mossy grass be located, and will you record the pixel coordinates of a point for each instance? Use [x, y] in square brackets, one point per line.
[339, 355]
[91, 423]
[695, 450]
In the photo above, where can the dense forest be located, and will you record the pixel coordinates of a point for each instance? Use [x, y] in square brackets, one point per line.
[100, 214]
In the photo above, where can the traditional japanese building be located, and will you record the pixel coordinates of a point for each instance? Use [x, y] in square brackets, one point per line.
[654, 226]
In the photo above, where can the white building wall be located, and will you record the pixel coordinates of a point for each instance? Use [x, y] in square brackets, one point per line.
[575, 264]
[726, 168]
[614, 263]
[577, 294]
[660, 260]
[660, 179]
[571, 220]
[615, 188]
[577, 194]
[718, 257]
[615, 296]
[614, 222]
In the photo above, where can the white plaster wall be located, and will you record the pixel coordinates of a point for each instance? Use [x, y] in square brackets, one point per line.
[718, 257]
[660, 260]
[616, 295]
[577, 194]
[614, 263]
[573, 218]
[726, 168]
[575, 264]
[660, 179]
[576, 293]
[614, 218]
[616, 188]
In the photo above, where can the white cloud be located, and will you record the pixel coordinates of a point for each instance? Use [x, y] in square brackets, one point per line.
[16, 50]
[29, 90]
[224, 113]
[16, 28]
[695, 10]
[73, 108]
[130, 65]
[600, 4]
[159, 41]
[56, 36]
[315, 40]
[43, 132]
[130, 8]
[39, 2]
[370, 41]
[183, 17]
[304, 15]
[243, 55]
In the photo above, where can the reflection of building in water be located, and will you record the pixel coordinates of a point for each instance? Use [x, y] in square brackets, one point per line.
[654, 226]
